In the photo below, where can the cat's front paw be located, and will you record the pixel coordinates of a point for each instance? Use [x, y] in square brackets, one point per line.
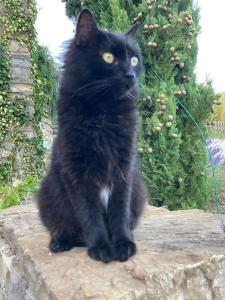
[60, 245]
[101, 252]
[124, 249]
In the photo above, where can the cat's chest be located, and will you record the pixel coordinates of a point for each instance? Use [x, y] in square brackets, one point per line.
[112, 133]
[104, 124]
[98, 122]
[103, 148]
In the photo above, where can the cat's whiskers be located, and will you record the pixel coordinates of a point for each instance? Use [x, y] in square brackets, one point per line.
[93, 87]
[130, 96]
[100, 86]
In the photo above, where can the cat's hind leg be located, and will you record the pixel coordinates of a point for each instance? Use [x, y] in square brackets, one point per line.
[56, 213]
[65, 242]
[139, 196]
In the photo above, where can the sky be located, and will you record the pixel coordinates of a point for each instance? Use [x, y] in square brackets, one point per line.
[54, 28]
[211, 41]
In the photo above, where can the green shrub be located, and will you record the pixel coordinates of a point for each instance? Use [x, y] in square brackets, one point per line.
[14, 195]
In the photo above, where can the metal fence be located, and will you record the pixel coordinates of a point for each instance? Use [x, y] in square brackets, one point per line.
[217, 126]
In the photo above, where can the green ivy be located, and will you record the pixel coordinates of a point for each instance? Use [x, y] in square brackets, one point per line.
[17, 22]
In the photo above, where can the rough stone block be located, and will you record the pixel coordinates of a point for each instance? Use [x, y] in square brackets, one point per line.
[180, 257]
[29, 131]
[8, 146]
[30, 107]
[4, 153]
[21, 89]
[16, 48]
[20, 75]
[21, 61]
[47, 130]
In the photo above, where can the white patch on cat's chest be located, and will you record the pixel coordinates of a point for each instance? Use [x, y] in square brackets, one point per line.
[105, 192]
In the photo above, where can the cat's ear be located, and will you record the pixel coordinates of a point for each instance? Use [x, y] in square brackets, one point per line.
[133, 30]
[86, 30]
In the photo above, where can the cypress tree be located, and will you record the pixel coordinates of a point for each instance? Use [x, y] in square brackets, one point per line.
[172, 154]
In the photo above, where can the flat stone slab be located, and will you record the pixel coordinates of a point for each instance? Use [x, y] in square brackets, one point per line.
[180, 257]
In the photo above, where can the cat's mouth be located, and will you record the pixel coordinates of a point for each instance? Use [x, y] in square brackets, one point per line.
[130, 94]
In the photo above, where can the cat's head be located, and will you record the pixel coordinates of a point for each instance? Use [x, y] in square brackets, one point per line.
[106, 62]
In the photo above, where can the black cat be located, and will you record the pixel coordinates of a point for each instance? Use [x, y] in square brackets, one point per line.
[93, 194]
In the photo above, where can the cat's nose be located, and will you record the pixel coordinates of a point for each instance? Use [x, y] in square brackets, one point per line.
[130, 76]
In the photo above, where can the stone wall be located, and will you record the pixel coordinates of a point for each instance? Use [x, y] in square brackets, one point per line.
[180, 257]
[47, 130]
[21, 82]
[22, 87]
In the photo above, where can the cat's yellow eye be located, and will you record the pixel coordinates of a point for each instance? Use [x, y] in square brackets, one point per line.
[134, 61]
[108, 57]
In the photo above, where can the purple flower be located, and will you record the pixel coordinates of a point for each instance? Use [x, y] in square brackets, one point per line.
[216, 148]
[222, 226]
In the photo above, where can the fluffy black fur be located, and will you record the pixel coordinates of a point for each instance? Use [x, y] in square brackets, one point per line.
[94, 153]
